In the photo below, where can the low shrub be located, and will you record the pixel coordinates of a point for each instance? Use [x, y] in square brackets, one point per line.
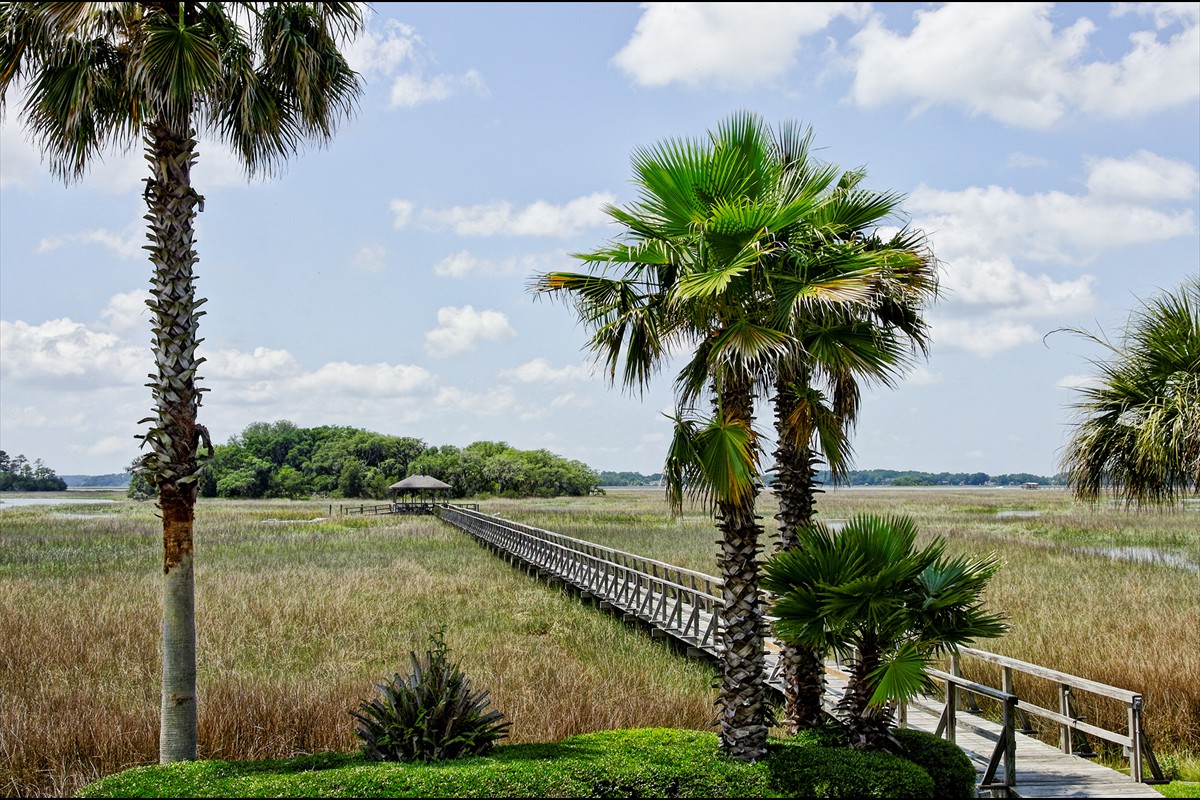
[952, 771]
[430, 714]
[625, 763]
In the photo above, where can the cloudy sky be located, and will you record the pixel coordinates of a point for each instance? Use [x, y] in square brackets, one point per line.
[1050, 151]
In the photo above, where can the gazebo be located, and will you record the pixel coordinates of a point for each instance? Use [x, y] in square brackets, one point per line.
[424, 487]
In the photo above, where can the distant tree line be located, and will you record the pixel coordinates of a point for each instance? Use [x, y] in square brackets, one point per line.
[281, 459]
[607, 478]
[18, 475]
[114, 480]
[891, 477]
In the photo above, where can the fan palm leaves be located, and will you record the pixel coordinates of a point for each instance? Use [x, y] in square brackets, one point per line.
[1138, 429]
[870, 590]
[264, 78]
[696, 272]
[817, 390]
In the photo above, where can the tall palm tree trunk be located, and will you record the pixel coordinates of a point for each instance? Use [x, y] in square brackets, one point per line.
[744, 717]
[795, 489]
[174, 436]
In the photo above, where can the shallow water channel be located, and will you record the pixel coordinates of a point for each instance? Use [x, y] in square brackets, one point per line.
[13, 502]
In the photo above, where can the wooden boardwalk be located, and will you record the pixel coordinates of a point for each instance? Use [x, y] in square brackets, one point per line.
[681, 604]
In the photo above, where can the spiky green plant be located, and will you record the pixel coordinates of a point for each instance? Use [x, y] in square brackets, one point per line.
[431, 714]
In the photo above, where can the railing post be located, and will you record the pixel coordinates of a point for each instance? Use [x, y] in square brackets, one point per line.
[951, 706]
[952, 699]
[1135, 739]
[955, 665]
[1066, 742]
[1010, 745]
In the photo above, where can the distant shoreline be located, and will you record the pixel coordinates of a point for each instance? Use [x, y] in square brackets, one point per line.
[878, 487]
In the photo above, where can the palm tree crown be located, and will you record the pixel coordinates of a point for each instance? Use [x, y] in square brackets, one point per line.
[1138, 433]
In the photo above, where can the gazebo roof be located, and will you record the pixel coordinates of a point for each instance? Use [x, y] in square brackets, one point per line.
[420, 482]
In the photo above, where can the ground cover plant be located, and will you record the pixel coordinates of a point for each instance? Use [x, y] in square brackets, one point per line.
[622, 763]
[299, 614]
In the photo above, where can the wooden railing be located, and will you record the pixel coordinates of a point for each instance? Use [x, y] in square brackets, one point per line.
[678, 601]
[1005, 750]
[400, 507]
[1070, 723]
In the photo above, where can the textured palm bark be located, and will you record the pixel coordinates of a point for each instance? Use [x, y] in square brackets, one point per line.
[174, 435]
[796, 490]
[744, 719]
[867, 727]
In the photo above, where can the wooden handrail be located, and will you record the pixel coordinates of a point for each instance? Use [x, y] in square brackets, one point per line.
[1134, 741]
[1074, 681]
[1006, 744]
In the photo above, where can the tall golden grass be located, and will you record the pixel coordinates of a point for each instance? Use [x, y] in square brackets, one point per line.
[296, 621]
[298, 616]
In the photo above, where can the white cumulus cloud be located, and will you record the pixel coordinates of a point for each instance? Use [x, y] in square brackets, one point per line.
[1143, 176]
[61, 351]
[126, 312]
[983, 337]
[464, 264]
[732, 45]
[540, 370]
[371, 380]
[1010, 62]
[414, 89]
[501, 218]
[396, 52]
[1060, 227]
[261, 364]
[461, 330]
[126, 244]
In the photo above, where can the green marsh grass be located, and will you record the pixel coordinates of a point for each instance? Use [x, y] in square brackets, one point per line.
[300, 614]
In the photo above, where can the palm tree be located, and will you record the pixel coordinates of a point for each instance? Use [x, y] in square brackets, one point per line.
[1138, 433]
[694, 273]
[262, 77]
[817, 390]
[868, 588]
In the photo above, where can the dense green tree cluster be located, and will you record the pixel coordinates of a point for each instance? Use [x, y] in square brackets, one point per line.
[18, 475]
[891, 477]
[497, 468]
[280, 459]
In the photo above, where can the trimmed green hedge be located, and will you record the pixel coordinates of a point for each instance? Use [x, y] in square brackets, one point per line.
[625, 763]
[952, 771]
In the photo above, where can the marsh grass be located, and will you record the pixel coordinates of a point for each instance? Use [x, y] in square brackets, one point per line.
[1077, 595]
[300, 614]
[297, 620]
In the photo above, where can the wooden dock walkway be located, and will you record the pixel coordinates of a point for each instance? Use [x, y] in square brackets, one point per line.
[682, 604]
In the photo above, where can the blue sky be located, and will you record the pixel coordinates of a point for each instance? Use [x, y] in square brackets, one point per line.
[1050, 151]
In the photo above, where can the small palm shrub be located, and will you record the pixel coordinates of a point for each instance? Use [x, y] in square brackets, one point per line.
[430, 714]
[868, 588]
